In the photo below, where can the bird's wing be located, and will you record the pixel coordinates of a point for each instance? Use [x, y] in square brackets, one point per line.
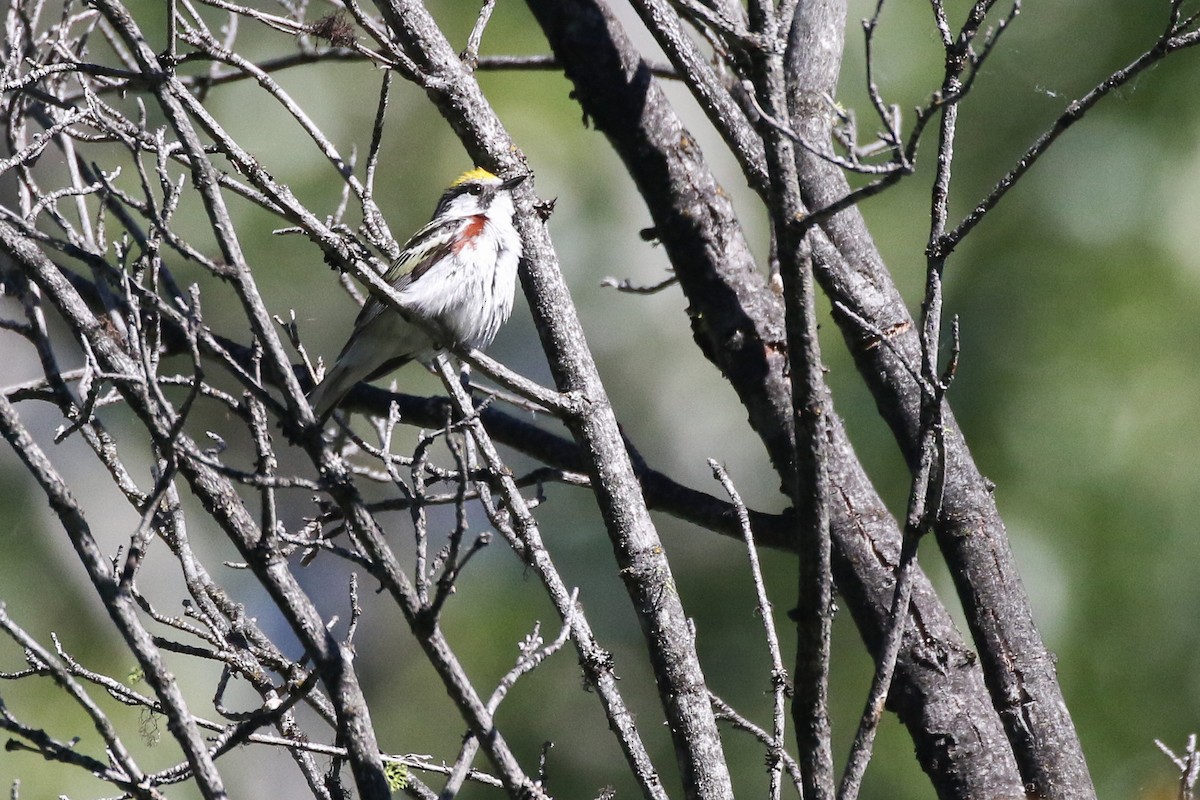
[426, 247]
[389, 342]
[421, 251]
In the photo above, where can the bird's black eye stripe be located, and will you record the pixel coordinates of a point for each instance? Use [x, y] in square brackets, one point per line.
[474, 189]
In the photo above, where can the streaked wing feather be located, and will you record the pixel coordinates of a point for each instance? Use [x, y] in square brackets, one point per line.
[426, 247]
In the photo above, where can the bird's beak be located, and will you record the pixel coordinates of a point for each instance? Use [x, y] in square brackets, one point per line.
[513, 182]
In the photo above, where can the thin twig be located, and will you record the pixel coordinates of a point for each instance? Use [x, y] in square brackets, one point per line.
[779, 675]
[470, 56]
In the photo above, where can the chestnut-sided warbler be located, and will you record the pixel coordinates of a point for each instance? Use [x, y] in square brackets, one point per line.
[457, 275]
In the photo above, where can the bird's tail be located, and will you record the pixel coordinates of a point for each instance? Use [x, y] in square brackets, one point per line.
[386, 342]
[333, 387]
[343, 377]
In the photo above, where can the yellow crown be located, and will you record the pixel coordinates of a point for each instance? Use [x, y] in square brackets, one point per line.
[477, 174]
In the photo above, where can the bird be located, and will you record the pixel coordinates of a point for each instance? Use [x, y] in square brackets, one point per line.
[457, 274]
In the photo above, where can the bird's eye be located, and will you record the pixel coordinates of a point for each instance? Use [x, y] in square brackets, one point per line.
[475, 189]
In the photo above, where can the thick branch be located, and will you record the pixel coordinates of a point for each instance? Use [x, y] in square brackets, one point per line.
[1019, 669]
[738, 324]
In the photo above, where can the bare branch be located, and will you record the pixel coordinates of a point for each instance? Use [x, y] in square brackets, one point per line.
[121, 607]
[776, 745]
[126, 774]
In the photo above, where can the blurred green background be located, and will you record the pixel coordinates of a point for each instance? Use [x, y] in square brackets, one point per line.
[1079, 392]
